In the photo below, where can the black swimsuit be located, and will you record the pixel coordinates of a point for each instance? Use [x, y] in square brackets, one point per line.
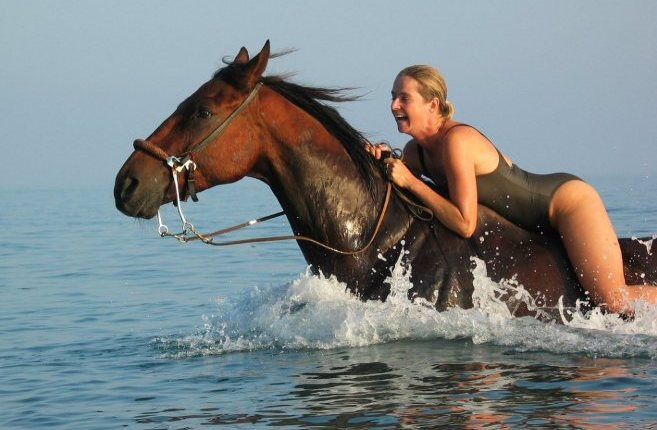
[520, 196]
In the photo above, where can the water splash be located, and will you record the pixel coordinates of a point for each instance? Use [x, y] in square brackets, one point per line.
[647, 243]
[318, 312]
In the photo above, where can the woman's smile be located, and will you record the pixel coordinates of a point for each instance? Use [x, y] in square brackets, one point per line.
[402, 120]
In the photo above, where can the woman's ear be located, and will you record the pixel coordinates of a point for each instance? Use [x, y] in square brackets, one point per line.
[435, 105]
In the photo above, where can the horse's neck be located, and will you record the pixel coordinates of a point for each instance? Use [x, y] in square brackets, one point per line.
[313, 177]
[322, 192]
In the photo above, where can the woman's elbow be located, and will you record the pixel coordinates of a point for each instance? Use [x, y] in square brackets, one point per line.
[467, 229]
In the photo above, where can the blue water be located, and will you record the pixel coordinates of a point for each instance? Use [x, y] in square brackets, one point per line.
[104, 325]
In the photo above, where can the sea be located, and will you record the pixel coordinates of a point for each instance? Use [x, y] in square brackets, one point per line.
[106, 325]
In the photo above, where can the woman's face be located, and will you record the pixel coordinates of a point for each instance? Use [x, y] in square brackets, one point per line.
[411, 112]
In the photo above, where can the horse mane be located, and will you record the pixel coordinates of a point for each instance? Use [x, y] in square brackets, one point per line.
[310, 100]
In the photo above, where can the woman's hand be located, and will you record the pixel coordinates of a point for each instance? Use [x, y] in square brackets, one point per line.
[377, 150]
[395, 168]
[398, 173]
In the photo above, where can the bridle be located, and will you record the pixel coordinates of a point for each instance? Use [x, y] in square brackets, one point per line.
[186, 162]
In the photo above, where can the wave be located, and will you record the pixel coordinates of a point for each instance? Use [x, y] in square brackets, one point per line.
[319, 312]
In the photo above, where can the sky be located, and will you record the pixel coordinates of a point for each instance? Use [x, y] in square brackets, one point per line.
[558, 85]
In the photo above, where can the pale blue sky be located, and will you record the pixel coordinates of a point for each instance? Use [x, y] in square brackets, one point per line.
[558, 85]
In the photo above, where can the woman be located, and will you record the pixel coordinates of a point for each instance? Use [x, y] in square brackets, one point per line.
[475, 171]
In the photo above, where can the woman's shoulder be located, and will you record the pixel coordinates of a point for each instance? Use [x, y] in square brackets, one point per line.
[465, 142]
[464, 136]
[458, 130]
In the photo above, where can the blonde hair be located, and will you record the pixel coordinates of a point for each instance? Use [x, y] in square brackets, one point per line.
[431, 83]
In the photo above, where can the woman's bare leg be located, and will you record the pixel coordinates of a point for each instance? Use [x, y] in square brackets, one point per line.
[578, 213]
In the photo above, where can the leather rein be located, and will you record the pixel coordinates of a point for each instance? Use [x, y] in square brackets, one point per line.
[186, 162]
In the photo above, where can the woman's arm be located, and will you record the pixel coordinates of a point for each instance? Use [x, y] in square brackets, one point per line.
[459, 212]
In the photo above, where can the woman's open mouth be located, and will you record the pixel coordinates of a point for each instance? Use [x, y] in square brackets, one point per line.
[401, 119]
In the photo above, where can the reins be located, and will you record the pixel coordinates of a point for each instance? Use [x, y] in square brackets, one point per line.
[185, 162]
[208, 238]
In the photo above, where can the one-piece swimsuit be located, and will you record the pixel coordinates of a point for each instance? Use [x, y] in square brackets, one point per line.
[520, 196]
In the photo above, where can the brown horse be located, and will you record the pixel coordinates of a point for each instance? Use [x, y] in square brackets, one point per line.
[241, 123]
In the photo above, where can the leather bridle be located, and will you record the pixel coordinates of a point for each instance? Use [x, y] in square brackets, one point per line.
[186, 162]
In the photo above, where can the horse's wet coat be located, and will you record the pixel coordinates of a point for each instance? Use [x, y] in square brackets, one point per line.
[332, 191]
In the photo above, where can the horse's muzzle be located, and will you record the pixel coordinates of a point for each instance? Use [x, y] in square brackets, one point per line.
[138, 194]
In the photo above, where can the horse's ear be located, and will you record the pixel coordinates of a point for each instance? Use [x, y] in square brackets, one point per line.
[257, 65]
[242, 56]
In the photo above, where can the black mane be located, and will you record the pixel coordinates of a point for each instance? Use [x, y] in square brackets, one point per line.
[308, 99]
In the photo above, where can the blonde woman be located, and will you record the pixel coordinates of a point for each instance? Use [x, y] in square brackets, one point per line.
[475, 171]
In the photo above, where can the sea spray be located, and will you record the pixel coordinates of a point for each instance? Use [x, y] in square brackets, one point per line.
[647, 243]
[319, 312]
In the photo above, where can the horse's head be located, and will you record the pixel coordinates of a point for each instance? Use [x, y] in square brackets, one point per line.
[211, 128]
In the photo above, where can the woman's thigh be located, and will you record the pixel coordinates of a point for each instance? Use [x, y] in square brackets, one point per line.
[578, 213]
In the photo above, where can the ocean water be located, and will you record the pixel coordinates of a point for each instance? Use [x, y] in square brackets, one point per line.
[104, 325]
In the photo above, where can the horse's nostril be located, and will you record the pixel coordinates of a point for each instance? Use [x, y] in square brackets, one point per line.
[124, 189]
[129, 187]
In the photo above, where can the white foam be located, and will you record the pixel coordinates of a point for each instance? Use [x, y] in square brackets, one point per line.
[647, 243]
[319, 312]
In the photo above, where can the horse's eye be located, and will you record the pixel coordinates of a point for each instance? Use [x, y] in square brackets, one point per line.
[203, 113]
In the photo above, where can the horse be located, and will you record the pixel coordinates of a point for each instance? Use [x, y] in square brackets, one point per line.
[336, 197]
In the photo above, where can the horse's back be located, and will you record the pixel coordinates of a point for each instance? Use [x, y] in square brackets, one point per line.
[640, 261]
[539, 261]
[536, 261]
